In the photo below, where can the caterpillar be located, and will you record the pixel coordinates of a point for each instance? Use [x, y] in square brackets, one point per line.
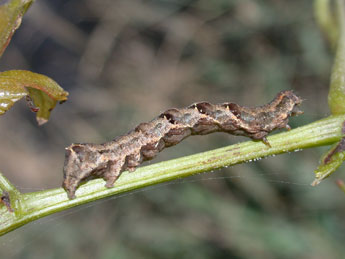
[108, 160]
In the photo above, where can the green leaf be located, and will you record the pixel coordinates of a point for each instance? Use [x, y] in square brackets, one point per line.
[42, 90]
[11, 15]
[39, 89]
[330, 162]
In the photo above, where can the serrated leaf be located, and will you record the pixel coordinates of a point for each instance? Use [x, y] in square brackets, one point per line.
[43, 91]
[11, 15]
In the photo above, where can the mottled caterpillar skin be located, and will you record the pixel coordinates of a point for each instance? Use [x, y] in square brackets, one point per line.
[108, 160]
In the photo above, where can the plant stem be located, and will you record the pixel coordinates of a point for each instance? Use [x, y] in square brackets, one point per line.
[327, 21]
[6, 185]
[32, 206]
[336, 95]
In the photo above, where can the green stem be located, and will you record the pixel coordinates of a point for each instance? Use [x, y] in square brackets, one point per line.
[336, 95]
[326, 21]
[32, 206]
[8, 189]
[6, 185]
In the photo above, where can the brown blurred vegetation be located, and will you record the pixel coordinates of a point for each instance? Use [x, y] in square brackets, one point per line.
[124, 62]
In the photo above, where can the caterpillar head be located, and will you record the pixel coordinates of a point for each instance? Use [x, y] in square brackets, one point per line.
[81, 161]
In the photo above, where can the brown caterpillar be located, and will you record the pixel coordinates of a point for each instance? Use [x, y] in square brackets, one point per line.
[108, 160]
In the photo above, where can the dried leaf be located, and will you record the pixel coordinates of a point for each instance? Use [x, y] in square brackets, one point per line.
[42, 90]
[11, 15]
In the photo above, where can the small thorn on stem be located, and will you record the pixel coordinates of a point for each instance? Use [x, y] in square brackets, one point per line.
[265, 141]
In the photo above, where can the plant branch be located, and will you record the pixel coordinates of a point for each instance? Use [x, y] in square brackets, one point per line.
[6, 185]
[31, 206]
[326, 20]
[336, 95]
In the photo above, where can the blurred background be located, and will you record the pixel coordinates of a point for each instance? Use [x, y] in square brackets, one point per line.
[125, 61]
